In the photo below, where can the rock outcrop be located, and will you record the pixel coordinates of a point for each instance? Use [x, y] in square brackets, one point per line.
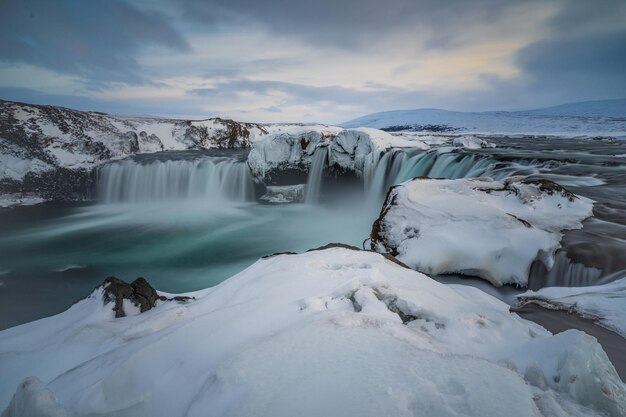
[138, 295]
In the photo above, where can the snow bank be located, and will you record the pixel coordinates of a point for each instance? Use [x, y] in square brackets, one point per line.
[478, 227]
[329, 332]
[604, 303]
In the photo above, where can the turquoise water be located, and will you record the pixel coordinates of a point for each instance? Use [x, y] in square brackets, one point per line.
[53, 254]
[162, 218]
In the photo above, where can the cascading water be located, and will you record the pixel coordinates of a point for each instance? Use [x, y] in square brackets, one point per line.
[316, 172]
[397, 166]
[208, 179]
[376, 188]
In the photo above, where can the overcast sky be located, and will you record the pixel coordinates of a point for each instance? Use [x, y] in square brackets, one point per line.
[313, 60]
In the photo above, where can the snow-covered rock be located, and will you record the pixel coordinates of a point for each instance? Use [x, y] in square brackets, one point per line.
[353, 150]
[605, 303]
[472, 142]
[478, 227]
[331, 332]
[359, 149]
[291, 149]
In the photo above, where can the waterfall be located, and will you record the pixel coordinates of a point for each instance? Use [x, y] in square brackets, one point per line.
[316, 172]
[376, 187]
[397, 166]
[208, 179]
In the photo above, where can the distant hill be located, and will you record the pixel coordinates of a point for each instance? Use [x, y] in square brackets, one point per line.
[600, 108]
[589, 118]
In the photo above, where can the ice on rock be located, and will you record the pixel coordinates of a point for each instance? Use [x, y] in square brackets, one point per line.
[293, 148]
[354, 150]
[478, 227]
[329, 332]
[605, 303]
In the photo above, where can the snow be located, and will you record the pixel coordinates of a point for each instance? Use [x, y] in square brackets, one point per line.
[604, 303]
[472, 142]
[34, 399]
[329, 332]
[477, 227]
[12, 199]
[69, 159]
[600, 118]
[15, 167]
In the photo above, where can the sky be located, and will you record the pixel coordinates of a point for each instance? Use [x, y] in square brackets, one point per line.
[310, 61]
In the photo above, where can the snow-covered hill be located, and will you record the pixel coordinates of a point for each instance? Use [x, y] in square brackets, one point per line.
[49, 137]
[592, 118]
[49, 152]
[332, 332]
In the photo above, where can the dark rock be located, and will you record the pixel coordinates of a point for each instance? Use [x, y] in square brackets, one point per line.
[335, 245]
[278, 254]
[62, 184]
[150, 140]
[132, 142]
[549, 187]
[421, 128]
[378, 227]
[139, 292]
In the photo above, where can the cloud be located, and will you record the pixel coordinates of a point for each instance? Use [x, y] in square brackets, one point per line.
[96, 39]
[589, 66]
[322, 60]
[145, 107]
[353, 23]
